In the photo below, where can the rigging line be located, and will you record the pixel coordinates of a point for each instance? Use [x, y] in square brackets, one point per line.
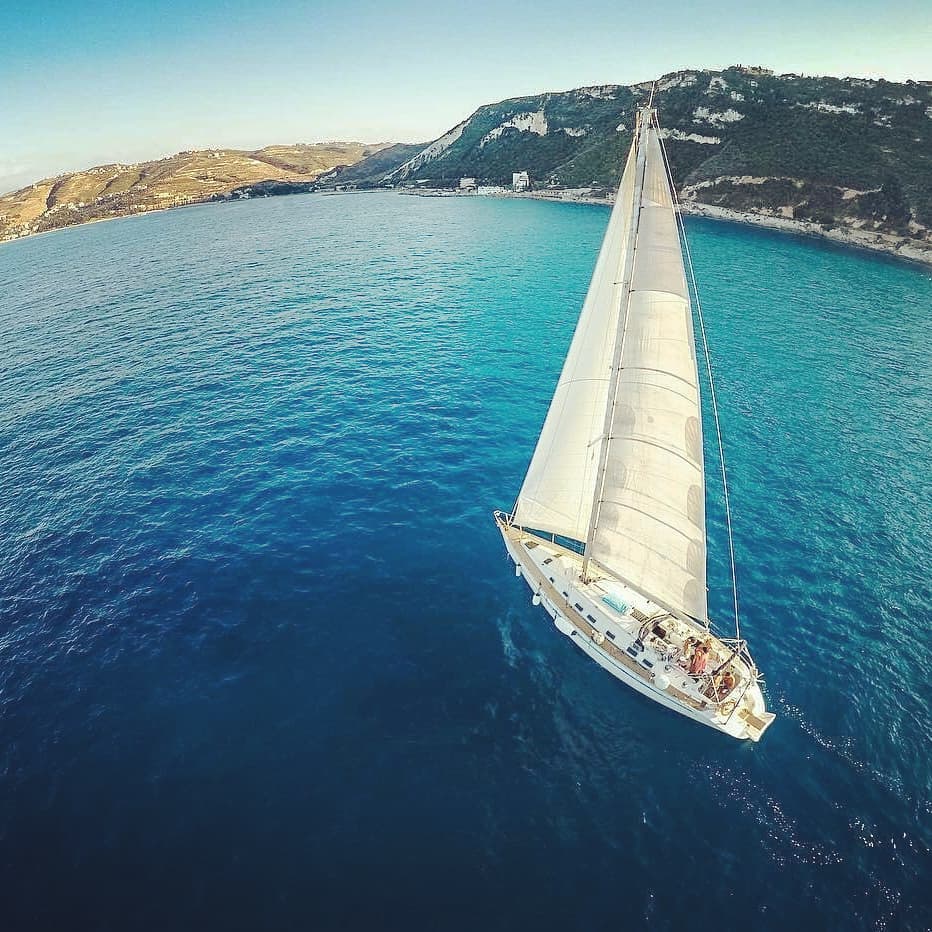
[708, 363]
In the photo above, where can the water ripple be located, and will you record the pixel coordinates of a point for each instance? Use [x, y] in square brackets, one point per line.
[261, 656]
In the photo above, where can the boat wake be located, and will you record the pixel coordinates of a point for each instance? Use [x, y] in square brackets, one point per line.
[842, 750]
[505, 626]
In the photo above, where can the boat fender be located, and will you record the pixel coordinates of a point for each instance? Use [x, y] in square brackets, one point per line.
[536, 599]
[598, 637]
[517, 570]
[563, 626]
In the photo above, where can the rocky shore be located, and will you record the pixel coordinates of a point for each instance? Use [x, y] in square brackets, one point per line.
[900, 246]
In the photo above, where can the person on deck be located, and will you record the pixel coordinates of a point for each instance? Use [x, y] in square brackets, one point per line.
[685, 657]
[697, 666]
[724, 684]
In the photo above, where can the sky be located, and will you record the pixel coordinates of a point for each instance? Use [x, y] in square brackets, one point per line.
[85, 83]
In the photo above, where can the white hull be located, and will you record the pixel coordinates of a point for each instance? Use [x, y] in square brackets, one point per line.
[615, 625]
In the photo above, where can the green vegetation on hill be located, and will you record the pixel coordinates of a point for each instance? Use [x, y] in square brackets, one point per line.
[846, 153]
[836, 151]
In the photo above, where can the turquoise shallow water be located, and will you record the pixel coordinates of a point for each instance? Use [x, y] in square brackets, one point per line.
[263, 663]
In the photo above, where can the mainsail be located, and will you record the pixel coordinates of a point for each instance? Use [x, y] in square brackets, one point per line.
[619, 461]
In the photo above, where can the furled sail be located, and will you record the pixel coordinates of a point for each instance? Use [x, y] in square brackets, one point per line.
[559, 488]
[636, 492]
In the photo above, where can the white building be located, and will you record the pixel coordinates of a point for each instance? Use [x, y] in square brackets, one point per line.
[467, 184]
[520, 181]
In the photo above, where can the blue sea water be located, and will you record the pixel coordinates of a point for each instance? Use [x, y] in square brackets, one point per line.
[263, 663]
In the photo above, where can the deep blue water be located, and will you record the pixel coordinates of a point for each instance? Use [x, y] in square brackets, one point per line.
[263, 664]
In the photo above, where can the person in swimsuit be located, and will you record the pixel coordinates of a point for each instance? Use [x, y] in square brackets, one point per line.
[697, 666]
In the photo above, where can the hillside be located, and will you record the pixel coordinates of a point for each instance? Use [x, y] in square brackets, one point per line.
[851, 152]
[185, 178]
[370, 171]
[850, 157]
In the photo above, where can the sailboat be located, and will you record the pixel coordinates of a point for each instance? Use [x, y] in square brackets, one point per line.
[609, 528]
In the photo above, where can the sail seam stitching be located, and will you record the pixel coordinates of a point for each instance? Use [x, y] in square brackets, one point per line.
[653, 443]
[646, 514]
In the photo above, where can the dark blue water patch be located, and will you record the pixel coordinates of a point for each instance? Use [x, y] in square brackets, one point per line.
[263, 662]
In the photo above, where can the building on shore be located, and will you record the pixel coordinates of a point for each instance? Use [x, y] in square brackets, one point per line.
[468, 185]
[520, 181]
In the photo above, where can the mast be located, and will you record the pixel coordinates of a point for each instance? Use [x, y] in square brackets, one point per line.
[643, 122]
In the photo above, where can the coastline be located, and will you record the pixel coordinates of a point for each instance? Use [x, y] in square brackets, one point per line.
[5, 241]
[898, 247]
[884, 243]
